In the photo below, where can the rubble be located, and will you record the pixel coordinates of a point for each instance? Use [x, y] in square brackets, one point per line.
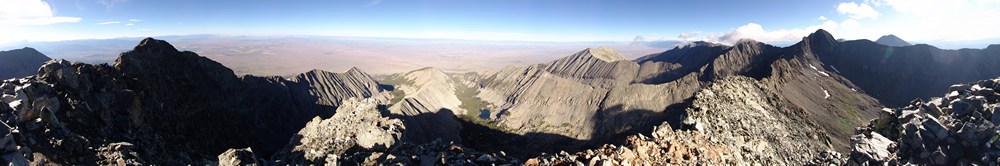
[958, 129]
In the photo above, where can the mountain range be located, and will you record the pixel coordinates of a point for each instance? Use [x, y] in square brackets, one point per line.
[158, 105]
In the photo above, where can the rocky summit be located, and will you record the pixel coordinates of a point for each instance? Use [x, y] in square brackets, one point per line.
[698, 103]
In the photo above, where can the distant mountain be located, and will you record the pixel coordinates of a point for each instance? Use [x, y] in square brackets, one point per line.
[892, 40]
[20, 62]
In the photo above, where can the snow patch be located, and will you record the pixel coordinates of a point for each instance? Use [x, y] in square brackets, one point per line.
[817, 70]
[825, 93]
[834, 68]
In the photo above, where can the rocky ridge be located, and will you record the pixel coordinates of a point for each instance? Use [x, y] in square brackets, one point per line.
[155, 105]
[596, 101]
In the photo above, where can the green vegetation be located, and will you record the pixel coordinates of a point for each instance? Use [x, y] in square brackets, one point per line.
[396, 81]
[848, 115]
[468, 95]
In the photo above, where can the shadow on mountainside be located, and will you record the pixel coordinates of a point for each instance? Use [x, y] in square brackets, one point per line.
[617, 123]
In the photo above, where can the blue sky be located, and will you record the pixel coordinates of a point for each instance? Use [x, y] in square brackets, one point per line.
[528, 20]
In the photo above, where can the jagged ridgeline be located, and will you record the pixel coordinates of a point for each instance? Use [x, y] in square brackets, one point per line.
[167, 106]
[700, 103]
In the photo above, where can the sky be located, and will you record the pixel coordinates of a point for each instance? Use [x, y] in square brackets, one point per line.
[773, 21]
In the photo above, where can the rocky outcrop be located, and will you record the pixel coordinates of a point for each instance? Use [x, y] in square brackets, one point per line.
[957, 129]
[238, 157]
[357, 126]
[20, 62]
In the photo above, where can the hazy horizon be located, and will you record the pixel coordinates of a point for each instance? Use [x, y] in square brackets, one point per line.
[948, 24]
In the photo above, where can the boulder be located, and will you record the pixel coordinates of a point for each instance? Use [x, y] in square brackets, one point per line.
[238, 157]
[874, 150]
[995, 118]
[934, 127]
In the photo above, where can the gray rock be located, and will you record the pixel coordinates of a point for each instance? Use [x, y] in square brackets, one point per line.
[357, 124]
[995, 118]
[238, 157]
[934, 127]
[939, 157]
[959, 87]
[874, 150]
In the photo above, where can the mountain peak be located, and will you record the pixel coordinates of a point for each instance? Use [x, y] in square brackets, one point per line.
[821, 34]
[154, 45]
[746, 41]
[603, 53]
[354, 70]
[892, 40]
[821, 38]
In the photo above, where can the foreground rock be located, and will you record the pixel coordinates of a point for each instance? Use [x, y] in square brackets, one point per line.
[357, 126]
[958, 129]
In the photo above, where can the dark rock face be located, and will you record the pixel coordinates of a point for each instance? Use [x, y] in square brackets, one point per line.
[958, 129]
[20, 62]
[896, 75]
[157, 105]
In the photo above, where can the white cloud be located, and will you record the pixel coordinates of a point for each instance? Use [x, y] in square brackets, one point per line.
[850, 24]
[857, 11]
[134, 20]
[688, 36]
[109, 22]
[129, 24]
[756, 32]
[822, 18]
[944, 20]
[29, 12]
[144, 29]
